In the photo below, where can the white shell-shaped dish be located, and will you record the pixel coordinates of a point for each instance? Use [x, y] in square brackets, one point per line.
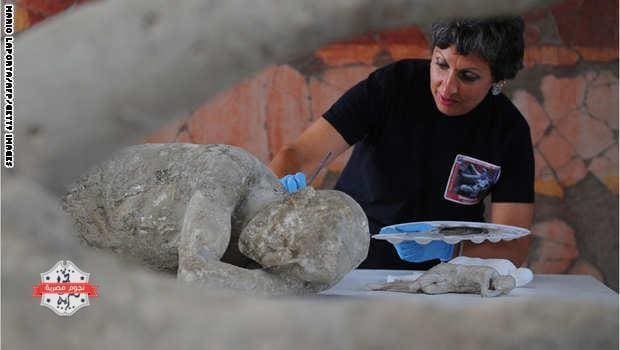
[493, 233]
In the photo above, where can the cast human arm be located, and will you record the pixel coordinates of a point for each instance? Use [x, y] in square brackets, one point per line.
[514, 214]
[306, 152]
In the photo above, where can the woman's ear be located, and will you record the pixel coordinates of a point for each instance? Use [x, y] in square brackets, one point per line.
[496, 88]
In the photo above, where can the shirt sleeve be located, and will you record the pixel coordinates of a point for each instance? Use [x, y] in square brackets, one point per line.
[358, 110]
[516, 181]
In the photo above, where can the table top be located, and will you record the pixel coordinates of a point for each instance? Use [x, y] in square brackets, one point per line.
[567, 287]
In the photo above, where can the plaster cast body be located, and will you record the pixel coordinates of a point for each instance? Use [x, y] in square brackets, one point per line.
[522, 275]
[451, 278]
[211, 212]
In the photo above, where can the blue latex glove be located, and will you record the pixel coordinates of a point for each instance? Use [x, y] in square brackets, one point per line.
[294, 183]
[414, 252]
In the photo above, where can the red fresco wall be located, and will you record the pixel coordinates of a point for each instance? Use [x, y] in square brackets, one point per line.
[568, 92]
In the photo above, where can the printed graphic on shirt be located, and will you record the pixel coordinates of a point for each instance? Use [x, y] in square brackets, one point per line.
[470, 180]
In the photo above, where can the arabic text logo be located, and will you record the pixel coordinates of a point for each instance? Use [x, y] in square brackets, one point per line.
[64, 289]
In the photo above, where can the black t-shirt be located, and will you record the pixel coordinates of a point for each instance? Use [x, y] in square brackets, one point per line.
[413, 163]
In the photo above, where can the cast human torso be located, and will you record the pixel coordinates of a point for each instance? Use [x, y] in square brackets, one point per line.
[142, 196]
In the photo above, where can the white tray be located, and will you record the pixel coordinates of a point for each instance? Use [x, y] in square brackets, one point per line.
[455, 231]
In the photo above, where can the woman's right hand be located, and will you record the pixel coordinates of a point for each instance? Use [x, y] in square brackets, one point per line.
[294, 182]
[306, 152]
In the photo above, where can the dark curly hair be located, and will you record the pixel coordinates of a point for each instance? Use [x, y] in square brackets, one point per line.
[497, 40]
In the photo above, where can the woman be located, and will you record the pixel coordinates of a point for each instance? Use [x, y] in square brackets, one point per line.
[419, 127]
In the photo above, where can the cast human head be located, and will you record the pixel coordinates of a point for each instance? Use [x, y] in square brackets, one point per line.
[317, 235]
[498, 40]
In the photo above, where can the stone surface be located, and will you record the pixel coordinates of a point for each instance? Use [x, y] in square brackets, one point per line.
[31, 210]
[408, 35]
[454, 278]
[261, 114]
[185, 207]
[171, 132]
[572, 172]
[545, 31]
[584, 267]
[405, 51]
[323, 95]
[597, 54]
[556, 150]
[141, 310]
[340, 54]
[175, 131]
[602, 99]
[562, 95]
[22, 20]
[553, 247]
[344, 78]
[549, 55]
[549, 188]
[532, 32]
[224, 120]
[592, 210]
[542, 170]
[534, 113]
[46, 7]
[325, 91]
[287, 107]
[605, 168]
[545, 180]
[327, 88]
[535, 14]
[407, 42]
[591, 23]
[588, 136]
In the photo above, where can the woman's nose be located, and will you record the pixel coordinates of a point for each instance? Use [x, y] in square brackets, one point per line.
[450, 84]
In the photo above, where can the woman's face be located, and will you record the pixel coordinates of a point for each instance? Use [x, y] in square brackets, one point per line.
[458, 82]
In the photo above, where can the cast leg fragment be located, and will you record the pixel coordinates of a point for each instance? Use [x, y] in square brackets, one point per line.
[206, 229]
[434, 283]
[486, 290]
[501, 285]
[429, 283]
[450, 278]
[220, 275]
[204, 238]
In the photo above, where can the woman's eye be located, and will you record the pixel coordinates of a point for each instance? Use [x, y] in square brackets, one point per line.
[469, 77]
[442, 65]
